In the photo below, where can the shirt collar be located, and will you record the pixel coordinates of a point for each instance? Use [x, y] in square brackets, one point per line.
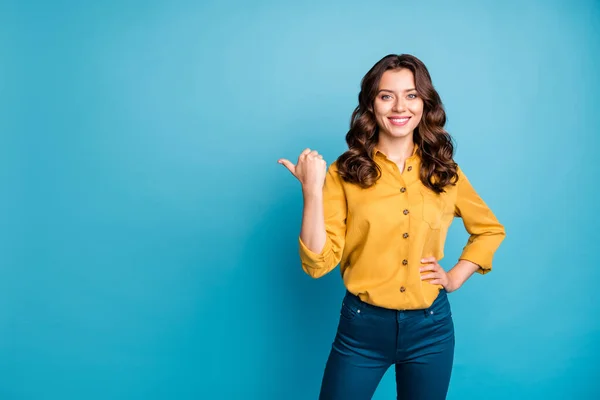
[376, 151]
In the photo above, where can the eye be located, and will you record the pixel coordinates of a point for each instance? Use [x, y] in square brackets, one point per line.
[386, 97]
[412, 96]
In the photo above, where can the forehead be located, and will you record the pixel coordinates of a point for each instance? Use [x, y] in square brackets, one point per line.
[397, 79]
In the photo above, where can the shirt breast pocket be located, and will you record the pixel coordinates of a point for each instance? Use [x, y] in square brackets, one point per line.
[433, 206]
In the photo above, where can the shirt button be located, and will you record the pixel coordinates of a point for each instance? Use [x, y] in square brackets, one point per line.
[405, 235]
[404, 262]
[409, 168]
[405, 212]
[402, 190]
[402, 289]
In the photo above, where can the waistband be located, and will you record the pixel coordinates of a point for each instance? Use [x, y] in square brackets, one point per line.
[439, 306]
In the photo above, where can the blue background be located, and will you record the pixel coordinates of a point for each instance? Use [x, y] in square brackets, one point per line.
[148, 247]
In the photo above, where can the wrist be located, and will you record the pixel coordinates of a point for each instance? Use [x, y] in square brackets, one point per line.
[312, 193]
[453, 281]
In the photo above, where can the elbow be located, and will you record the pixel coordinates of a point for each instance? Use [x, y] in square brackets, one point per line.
[502, 232]
[320, 269]
[497, 230]
[314, 273]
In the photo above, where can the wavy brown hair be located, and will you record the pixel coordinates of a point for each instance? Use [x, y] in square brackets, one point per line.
[435, 145]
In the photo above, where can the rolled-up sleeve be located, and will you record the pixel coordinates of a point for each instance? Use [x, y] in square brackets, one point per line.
[486, 233]
[335, 211]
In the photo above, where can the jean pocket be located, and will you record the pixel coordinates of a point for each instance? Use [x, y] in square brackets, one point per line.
[348, 312]
[440, 310]
[441, 316]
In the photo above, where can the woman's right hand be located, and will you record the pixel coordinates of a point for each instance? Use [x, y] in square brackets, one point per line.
[310, 170]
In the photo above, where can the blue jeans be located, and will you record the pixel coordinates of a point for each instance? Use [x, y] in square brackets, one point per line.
[369, 339]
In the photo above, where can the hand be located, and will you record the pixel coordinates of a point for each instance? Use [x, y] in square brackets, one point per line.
[310, 170]
[437, 275]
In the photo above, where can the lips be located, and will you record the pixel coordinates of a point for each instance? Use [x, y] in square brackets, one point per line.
[399, 121]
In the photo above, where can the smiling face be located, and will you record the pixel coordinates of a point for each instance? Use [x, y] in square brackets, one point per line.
[398, 109]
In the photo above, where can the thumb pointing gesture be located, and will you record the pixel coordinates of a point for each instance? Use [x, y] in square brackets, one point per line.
[310, 169]
[289, 165]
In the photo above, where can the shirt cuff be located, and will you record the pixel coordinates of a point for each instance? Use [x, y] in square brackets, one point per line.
[312, 259]
[478, 255]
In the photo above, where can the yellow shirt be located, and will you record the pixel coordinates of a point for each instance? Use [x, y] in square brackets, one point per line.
[379, 235]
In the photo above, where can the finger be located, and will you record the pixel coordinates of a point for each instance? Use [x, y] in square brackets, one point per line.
[304, 153]
[289, 165]
[430, 276]
[428, 260]
[313, 153]
[436, 282]
[429, 267]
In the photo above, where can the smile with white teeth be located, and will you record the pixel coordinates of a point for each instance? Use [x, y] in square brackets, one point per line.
[399, 120]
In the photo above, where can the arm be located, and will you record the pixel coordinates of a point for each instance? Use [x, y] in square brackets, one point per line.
[486, 233]
[322, 236]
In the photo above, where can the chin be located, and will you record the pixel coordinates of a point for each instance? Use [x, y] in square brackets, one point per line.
[401, 132]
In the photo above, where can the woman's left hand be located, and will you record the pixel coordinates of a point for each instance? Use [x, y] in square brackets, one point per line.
[437, 275]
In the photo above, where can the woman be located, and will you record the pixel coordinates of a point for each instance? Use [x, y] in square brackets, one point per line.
[382, 211]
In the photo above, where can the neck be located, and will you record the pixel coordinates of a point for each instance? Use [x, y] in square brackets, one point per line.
[397, 149]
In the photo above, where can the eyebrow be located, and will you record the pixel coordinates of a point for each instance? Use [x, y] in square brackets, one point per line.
[391, 91]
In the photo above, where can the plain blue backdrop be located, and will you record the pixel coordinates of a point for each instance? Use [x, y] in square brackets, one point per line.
[148, 243]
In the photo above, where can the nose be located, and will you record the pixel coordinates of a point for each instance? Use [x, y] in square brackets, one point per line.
[399, 105]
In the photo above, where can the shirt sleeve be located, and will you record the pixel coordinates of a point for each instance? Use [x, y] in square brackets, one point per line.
[486, 233]
[335, 210]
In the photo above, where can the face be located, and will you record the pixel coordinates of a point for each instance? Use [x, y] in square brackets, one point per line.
[398, 109]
